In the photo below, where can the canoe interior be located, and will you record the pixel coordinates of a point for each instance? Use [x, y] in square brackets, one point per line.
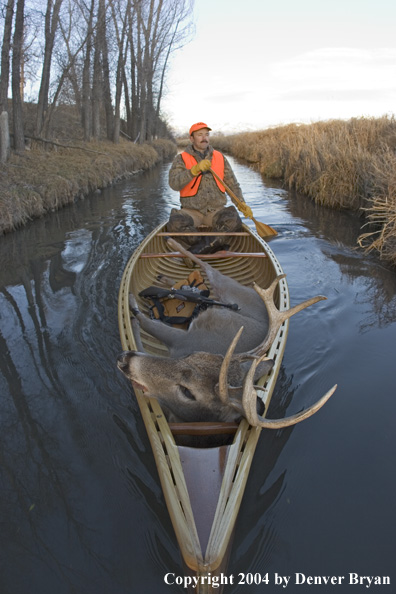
[244, 270]
[203, 517]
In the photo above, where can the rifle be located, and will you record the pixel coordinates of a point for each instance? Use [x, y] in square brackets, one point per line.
[195, 296]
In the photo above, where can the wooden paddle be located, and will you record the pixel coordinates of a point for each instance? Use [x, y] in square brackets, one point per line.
[262, 229]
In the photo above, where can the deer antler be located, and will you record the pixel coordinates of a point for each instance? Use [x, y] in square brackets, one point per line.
[223, 382]
[258, 354]
[223, 386]
[249, 403]
[276, 317]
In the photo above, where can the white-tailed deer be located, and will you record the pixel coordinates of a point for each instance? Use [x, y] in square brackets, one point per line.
[211, 372]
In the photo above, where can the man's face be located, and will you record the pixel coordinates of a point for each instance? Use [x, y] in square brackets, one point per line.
[200, 139]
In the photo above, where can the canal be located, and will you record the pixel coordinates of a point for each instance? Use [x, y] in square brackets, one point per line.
[81, 507]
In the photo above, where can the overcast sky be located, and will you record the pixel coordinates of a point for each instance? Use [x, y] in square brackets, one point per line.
[258, 63]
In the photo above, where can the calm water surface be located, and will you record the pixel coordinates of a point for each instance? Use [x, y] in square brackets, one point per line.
[81, 507]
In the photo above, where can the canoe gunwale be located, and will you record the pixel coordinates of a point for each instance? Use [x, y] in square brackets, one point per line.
[165, 450]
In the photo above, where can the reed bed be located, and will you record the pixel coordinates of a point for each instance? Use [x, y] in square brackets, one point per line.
[340, 164]
[42, 180]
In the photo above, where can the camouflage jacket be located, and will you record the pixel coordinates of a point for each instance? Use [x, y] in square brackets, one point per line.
[209, 196]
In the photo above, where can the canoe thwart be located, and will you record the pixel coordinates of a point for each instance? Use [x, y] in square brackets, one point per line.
[220, 254]
[203, 233]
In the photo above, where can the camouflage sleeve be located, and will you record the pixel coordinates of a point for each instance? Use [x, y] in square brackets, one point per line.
[231, 180]
[179, 175]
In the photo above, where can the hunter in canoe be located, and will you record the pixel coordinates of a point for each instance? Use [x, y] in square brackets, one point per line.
[202, 195]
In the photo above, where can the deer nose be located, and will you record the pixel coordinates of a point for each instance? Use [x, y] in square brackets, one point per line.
[123, 358]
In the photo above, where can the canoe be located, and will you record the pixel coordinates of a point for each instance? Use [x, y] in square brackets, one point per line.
[202, 487]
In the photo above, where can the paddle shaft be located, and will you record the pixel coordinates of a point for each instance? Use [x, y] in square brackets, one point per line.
[233, 196]
[262, 229]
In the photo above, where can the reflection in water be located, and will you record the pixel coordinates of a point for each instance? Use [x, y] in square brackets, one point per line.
[257, 535]
[340, 230]
[81, 506]
[76, 250]
[58, 343]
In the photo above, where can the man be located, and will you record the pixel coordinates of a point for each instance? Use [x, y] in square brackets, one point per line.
[202, 197]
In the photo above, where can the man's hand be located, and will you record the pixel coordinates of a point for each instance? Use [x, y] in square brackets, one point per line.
[246, 210]
[203, 165]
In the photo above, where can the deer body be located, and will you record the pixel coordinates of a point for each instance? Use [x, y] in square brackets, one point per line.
[214, 328]
[205, 377]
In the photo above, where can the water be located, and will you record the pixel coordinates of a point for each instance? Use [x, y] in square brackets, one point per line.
[81, 508]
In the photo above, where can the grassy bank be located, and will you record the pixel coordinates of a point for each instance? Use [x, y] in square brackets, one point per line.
[339, 164]
[48, 177]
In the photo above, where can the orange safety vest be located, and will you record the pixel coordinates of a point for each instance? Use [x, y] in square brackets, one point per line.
[217, 165]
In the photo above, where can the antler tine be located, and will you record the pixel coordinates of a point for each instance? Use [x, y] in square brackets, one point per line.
[276, 317]
[223, 382]
[176, 246]
[249, 403]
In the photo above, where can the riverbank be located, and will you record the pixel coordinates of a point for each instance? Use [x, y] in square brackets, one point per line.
[339, 164]
[47, 177]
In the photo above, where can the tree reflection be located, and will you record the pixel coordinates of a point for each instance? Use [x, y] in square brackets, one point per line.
[58, 343]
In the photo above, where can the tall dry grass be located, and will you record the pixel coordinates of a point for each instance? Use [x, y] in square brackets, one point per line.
[340, 164]
[42, 180]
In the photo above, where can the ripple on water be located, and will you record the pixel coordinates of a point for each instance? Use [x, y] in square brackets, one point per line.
[81, 504]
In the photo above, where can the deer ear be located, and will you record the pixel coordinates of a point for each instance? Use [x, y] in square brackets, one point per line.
[264, 368]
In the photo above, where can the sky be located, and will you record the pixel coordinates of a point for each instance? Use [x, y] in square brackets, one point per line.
[253, 64]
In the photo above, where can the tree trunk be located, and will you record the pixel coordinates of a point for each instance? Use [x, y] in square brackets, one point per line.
[96, 92]
[161, 87]
[104, 53]
[135, 96]
[5, 56]
[127, 104]
[86, 108]
[17, 104]
[51, 25]
[4, 137]
[122, 42]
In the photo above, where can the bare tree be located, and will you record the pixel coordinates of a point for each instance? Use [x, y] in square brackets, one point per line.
[122, 43]
[51, 26]
[17, 53]
[5, 56]
[110, 59]
[177, 31]
[68, 68]
[86, 107]
[158, 32]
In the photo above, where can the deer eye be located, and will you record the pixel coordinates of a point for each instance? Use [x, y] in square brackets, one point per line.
[187, 393]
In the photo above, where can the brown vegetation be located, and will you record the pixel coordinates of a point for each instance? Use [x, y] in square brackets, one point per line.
[42, 180]
[340, 164]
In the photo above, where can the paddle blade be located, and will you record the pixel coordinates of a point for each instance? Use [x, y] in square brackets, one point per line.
[264, 230]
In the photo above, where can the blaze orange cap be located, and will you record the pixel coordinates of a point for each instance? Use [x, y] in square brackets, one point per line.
[199, 126]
